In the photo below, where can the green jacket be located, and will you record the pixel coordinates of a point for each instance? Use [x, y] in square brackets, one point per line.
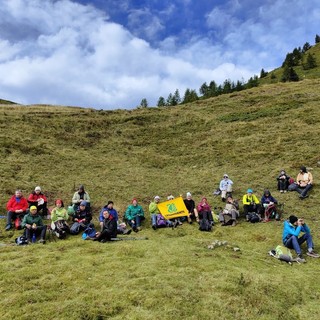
[153, 208]
[31, 219]
[59, 214]
[133, 211]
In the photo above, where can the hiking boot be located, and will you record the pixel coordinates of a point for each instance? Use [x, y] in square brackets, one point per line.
[8, 227]
[303, 197]
[175, 224]
[154, 227]
[127, 232]
[281, 191]
[135, 229]
[189, 220]
[313, 254]
[247, 217]
[42, 241]
[300, 260]
[234, 223]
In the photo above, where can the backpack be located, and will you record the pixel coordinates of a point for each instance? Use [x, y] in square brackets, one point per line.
[61, 229]
[21, 241]
[283, 253]
[254, 217]
[205, 224]
[161, 221]
[89, 232]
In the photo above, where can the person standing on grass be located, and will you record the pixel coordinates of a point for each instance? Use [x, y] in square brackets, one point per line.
[38, 199]
[225, 187]
[303, 184]
[134, 215]
[17, 207]
[191, 207]
[33, 225]
[290, 237]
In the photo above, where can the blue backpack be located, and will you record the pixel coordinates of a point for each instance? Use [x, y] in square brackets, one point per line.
[89, 232]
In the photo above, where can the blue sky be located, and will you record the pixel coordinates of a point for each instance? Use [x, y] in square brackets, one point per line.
[110, 54]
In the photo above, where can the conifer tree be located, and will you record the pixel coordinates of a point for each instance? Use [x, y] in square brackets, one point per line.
[161, 102]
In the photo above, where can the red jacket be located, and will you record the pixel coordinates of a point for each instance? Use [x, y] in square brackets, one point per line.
[33, 197]
[13, 205]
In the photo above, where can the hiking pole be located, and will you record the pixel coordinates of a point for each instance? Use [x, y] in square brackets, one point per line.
[129, 238]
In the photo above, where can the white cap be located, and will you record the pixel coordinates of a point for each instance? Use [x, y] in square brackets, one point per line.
[171, 197]
[189, 194]
[156, 198]
[37, 188]
[225, 176]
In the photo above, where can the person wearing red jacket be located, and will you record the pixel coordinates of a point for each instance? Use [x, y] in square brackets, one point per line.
[38, 199]
[17, 207]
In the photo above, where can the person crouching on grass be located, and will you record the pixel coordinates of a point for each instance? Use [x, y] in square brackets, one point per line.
[290, 237]
[33, 224]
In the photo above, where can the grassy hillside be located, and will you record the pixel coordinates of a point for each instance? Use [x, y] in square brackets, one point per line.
[121, 154]
[276, 75]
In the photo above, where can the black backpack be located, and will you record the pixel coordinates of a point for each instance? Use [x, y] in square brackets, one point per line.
[253, 217]
[205, 224]
[21, 241]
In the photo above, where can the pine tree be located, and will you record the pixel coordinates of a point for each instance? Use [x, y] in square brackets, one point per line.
[143, 103]
[289, 74]
[310, 63]
[263, 73]
[204, 90]
[317, 40]
[190, 96]
[177, 97]
[161, 102]
[306, 47]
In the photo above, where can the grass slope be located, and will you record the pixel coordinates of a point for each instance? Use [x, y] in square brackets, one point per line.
[117, 155]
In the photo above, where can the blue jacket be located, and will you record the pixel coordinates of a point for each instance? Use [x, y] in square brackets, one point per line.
[291, 230]
[112, 212]
[269, 199]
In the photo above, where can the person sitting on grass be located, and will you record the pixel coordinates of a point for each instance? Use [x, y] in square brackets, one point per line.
[121, 227]
[268, 203]
[157, 219]
[204, 210]
[290, 237]
[225, 187]
[251, 204]
[283, 181]
[59, 218]
[80, 195]
[303, 184]
[109, 228]
[134, 215]
[33, 225]
[81, 218]
[17, 207]
[230, 212]
[191, 207]
[38, 199]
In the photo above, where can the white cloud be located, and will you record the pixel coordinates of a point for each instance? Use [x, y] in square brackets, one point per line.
[61, 52]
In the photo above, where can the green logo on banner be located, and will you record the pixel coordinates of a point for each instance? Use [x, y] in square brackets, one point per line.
[172, 208]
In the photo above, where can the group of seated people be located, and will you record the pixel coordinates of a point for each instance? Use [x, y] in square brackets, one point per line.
[26, 213]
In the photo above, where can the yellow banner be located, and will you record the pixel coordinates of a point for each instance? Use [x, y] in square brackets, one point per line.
[173, 208]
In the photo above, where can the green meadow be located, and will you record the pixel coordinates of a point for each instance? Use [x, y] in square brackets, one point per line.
[250, 135]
